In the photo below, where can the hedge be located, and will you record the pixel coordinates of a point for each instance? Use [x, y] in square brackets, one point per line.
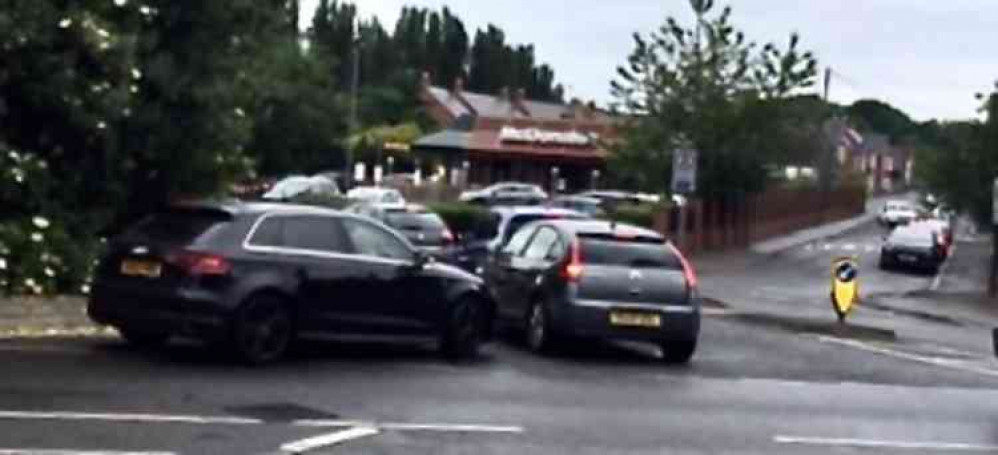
[461, 217]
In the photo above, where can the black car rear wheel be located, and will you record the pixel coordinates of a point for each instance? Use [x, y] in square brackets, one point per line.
[263, 329]
[144, 338]
[678, 352]
[462, 336]
[540, 336]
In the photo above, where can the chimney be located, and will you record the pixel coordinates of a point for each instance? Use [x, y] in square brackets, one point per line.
[519, 101]
[458, 86]
[504, 94]
[425, 81]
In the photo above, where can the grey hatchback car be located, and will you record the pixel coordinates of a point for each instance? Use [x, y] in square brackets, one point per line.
[598, 279]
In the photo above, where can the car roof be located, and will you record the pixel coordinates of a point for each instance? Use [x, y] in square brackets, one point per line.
[603, 228]
[535, 210]
[236, 207]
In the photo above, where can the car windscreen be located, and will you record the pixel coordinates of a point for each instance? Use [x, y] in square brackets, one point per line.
[180, 226]
[413, 221]
[633, 253]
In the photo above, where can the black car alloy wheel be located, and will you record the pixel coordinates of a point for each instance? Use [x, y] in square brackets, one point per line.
[263, 329]
[463, 333]
[538, 330]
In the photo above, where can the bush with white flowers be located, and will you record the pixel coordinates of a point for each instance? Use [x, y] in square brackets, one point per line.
[37, 253]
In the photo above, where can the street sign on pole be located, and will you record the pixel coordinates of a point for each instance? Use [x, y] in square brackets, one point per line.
[684, 171]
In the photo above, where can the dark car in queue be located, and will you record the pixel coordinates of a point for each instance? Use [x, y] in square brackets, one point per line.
[424, 229]
[912, 247]
[473, 251]
[596, 279]
[254, 277]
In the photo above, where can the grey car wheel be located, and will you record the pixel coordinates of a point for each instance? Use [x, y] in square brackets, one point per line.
[539, 334]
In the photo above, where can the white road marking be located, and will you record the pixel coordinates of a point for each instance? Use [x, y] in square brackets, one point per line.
[75, 452]
[128, 418]
[396, 426]
[849, 247]
[809, 247]
[934, 361]
[827, 247]
[871, 248]
[328, 440]
[882, 444]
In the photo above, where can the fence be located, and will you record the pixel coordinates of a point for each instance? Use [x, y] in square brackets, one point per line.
[738, 222]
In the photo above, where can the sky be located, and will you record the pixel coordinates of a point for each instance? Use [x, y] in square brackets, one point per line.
[927, 57]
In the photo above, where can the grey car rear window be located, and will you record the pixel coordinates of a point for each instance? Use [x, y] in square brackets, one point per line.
[628, 253]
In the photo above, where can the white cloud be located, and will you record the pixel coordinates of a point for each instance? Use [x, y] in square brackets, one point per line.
[924, 56]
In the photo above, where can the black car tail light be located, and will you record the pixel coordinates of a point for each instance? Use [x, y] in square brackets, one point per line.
[200, 264]
[573, 270]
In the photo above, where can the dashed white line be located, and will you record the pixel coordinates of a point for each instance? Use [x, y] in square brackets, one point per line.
[398, 426]
[849, 247]
[328, 440]
[76, 452]
[934, 361]
[128, 418]
[884, 444]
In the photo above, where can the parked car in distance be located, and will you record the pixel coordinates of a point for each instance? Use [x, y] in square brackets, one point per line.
[508, 193]
[895, 213]
[377, 195]
[298, 185]
[472, 252]
[912, 247]
[617, 197]
[588, 205]
[599, 279]
[257, 276]
[425, 229]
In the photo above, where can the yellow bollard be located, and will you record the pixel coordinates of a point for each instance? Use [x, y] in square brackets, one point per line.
[845, 286]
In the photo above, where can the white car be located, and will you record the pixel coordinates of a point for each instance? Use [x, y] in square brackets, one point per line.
[897, 212]
[510, 192]
[377, 195]
[298, 185]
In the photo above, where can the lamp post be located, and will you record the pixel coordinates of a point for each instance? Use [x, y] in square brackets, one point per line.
[353, 127]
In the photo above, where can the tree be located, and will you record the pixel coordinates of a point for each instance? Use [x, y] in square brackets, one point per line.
[880, 117]
[710, 88]
[960, 165]
[453, 57]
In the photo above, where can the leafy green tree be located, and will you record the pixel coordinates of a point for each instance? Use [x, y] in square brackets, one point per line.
[961, 163]
[880, 117]
[454, 53]
[708, 87]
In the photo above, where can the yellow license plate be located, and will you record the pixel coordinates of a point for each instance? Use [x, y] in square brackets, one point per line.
[635, 319]
[146, 269]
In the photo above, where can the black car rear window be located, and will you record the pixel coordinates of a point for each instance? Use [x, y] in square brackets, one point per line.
[519, 221]
[635, 253]
[181, 226]
[413, 221]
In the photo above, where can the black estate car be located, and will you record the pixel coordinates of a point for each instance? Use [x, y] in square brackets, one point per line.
[913, 247]
[256, 276]
[600, 279]
[425, 229]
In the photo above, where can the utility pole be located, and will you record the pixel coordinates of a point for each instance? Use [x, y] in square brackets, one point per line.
[830, 136]
[353, 127]
[993, 276]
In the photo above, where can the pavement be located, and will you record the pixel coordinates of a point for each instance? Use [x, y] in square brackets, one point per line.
[774, 374]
